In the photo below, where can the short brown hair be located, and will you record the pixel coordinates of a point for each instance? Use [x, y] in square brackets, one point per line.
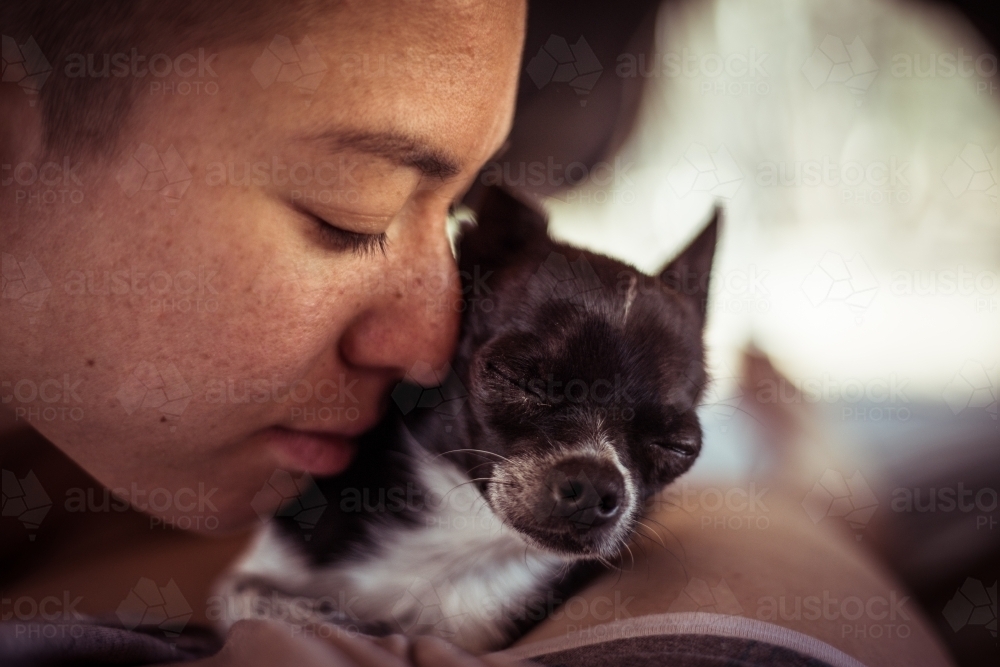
[85, 115]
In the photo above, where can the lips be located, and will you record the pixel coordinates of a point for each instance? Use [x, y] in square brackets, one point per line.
[320, 454]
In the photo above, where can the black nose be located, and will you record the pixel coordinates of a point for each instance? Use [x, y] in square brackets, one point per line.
[587, 493]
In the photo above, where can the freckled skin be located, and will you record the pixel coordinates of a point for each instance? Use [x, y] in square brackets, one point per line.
[286, 306]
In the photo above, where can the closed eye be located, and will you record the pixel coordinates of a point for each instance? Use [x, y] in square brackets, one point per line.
[502, 374]
[343, 240]
[682, 436]
[679, 448]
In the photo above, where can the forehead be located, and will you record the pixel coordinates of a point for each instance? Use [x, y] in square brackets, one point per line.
[654, 350]
[443, 73]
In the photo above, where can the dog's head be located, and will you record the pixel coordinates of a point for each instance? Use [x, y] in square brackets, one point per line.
[583, 377]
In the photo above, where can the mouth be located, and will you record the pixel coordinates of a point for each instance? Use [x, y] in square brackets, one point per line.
[317, 453]
[572, 544]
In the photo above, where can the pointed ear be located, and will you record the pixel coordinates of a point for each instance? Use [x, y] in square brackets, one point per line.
[505, 225]
[689, 273]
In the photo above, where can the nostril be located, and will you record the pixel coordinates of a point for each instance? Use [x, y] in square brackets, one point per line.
[609, 504]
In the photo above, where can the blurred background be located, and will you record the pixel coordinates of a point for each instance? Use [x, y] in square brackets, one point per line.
[854, 149]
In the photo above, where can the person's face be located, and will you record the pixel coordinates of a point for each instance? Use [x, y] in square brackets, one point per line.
[210, 333]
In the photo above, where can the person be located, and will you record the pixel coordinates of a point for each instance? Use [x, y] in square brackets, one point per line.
[224, 238]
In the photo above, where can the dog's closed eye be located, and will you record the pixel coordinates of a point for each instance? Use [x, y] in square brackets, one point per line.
[502, 373]
[511, 383]
[683, 437]
[676, 447]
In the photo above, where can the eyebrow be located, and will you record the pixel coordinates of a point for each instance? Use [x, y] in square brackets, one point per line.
[398, 148]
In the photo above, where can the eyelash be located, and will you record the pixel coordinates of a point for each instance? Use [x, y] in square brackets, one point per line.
[362, 245]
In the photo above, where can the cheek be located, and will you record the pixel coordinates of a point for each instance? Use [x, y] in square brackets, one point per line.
[277, 328]
[150, 313]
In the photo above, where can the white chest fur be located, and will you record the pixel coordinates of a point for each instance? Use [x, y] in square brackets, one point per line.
[461, 574]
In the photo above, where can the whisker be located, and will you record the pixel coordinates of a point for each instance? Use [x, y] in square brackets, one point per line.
[621, 572]
[631, 555]
[481, 479]
[650, 529]
[669, 503]
[475, 451]
[640, 533]
[669, 532]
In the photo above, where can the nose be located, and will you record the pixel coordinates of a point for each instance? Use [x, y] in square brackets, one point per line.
[586, 493]
[408, 314]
